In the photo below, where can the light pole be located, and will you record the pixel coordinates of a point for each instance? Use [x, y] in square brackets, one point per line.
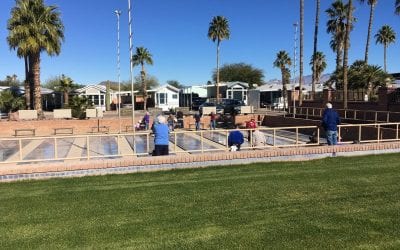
[118, 13]
[131, 71]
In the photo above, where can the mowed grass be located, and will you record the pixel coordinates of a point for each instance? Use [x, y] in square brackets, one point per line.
[330, 203]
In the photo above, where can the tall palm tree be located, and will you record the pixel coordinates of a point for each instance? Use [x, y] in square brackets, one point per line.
[318, 61]
[349, 25]
[283, 62]
[397, 7]
[31, 34]
[316, 27]
[141, 58]
[385, 36]
[218, 31]
[66, 85]
[301, 51]
[372, 4]
[336, 26]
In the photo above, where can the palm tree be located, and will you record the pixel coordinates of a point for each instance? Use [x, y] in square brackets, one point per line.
[315, 47]
[372, 4]
[283, 62]
[349, 25]
[301, 51]
[218, 31]
[318, 61]
[142, 57]
[385, 36]
[66, 85]
[34, 28]
[336, 26]
[397, 7]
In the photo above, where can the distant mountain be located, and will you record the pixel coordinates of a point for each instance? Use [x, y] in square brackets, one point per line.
[307, 79]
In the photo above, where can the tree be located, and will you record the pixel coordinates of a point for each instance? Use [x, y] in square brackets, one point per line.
[318, 61]
[385, 36]
[349, 25]
[78, 105]
[175, 84]
[34, 28]
[240, 72]
[141, 58]
[66, 84]
[301, 51]
[372, 4]
[218, 31]
[336, 26]
[315, 47]
[283, 62]
[10, 101]
[150, 82]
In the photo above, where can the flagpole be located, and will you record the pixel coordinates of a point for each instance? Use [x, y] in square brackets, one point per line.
[131, 71]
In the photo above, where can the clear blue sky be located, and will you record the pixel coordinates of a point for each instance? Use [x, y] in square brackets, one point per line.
[175, 33]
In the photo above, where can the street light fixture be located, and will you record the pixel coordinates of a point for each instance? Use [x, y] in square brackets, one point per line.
[118, 13]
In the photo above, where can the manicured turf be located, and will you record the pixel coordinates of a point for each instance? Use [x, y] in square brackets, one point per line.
[331, 203]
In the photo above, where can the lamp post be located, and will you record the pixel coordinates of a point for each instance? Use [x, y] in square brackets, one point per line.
[118, 13]
[295, 25]
[131, 70]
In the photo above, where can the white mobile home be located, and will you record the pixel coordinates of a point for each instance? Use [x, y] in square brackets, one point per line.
[165, 97]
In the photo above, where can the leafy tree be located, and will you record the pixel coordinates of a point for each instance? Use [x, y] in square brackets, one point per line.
[318, 61]
[175, 83]
[78, 105]
[240, 72]
[66, 86]
[372, 4]
[283, 62]
[150, 83]
[385, 36]
[142, 57]
[10, 101]
[218, 30]
[34, 28]
[10, 81]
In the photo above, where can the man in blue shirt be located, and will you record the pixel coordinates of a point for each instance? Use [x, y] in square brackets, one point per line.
[161, 136]
[235, 138]
[330, 120]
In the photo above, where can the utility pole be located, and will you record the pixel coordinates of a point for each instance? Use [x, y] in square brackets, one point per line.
[118, 13]
[295, 25]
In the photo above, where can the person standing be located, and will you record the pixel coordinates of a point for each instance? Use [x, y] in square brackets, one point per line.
[146, 120]
[171, 122]
[235, 139]
[161, 136]
[212, 120]
[330, 121]
[251, 125]
[197, 118]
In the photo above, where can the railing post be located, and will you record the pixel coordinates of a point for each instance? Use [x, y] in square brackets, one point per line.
[387, 116]
[20, 149]
[202, 142]
[175, 142]
[297, 134]
[345, 114]
[359, 134]
[355, 114]
[227, 135]
[376, 116]
[119, 144]
[55, 148]
[274, 134]
[397, 131]
[318, 135]
[307, 113]
[379, 132]
[147, 142]
[88, 147]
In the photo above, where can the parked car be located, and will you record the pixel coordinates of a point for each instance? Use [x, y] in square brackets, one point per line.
[232, 106]
[219, 108]
[196, 102]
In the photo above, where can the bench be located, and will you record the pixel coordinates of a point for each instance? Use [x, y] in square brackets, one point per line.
[100, 129]
[25, 132]
[64, 131]
[194, 125]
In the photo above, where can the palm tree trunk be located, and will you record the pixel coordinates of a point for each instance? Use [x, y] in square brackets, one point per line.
[371, 18]
[315, 49]
[36, 83]
[27, 84]
[338, 57]
[65, 97]
[346, 53]
[301, 51]
[31, 85]
[143, 75]
[217, 83]
[384, 56]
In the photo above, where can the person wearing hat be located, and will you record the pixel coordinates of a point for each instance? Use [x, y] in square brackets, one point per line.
[330, 121]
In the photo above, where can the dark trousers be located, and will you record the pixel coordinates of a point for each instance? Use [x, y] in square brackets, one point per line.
[160, 150]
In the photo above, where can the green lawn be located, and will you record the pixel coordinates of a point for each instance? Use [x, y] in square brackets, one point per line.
[330, 203]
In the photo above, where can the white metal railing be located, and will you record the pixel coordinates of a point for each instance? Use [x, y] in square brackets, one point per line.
[92, 146]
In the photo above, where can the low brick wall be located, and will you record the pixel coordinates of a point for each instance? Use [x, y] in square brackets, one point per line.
[145, 164]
